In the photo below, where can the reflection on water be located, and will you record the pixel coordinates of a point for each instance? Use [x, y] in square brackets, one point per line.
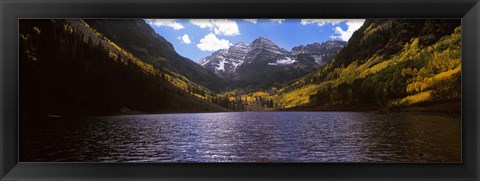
[244, 137]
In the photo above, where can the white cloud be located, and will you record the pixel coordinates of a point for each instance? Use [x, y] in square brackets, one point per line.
[321, 22]
[352, 26]
[218, 26]
[279, 21]
[211, 43]
[165, 22]
[185, 39]
[254, 21]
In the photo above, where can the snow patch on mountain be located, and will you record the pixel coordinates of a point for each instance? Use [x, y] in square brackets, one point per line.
[242, 61]
[226, 60]
[221, 65]
[203, 61]
[236, 64]
[285, 61]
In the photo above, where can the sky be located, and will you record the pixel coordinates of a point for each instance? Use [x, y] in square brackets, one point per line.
[198, 38]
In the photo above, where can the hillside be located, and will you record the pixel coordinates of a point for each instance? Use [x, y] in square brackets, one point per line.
[67, 68]
[386, 63]
[138, 38]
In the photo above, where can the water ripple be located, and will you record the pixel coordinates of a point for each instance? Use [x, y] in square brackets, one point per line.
[244, 137]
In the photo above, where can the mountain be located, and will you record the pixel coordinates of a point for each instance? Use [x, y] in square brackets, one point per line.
[387, 63]
[265, 62]
[69, 69]
[322, 53]
[138, 38]
[225, 62]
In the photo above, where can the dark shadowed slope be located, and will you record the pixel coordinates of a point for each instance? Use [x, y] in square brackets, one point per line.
[68, 69]
[138, 38]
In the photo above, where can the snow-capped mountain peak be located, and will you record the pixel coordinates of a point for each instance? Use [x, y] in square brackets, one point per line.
[226, 60]
[262, 54]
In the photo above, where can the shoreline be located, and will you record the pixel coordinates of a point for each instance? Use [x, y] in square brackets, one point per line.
[446, 108]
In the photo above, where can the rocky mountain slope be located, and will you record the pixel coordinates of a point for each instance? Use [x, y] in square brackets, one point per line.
[262, 61]
[322, 53]
[226, 61]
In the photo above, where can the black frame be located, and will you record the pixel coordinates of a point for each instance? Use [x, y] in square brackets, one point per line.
[11, 11]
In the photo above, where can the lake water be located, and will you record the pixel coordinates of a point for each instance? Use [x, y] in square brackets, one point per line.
[244, 137]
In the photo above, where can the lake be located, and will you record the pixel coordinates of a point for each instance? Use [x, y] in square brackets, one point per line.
[244, 137]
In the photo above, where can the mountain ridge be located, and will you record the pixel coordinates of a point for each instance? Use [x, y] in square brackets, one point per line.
[245, 63]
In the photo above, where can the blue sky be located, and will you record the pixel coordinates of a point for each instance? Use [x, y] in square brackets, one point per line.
[198, 38]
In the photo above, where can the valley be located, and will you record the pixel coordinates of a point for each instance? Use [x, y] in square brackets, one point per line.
[120, 90]
[417, 69]
[122, 66]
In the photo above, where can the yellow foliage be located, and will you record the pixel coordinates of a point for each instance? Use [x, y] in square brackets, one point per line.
[260, 94]
[414, 99]
[444, 64]
[441, 63]
[175, 79]
[429, 82]
[36, 30]
[369, 69]
[297, 97]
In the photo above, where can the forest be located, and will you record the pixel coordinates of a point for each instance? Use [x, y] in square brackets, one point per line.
[64, 71]
[425, 70]
[69, 68]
